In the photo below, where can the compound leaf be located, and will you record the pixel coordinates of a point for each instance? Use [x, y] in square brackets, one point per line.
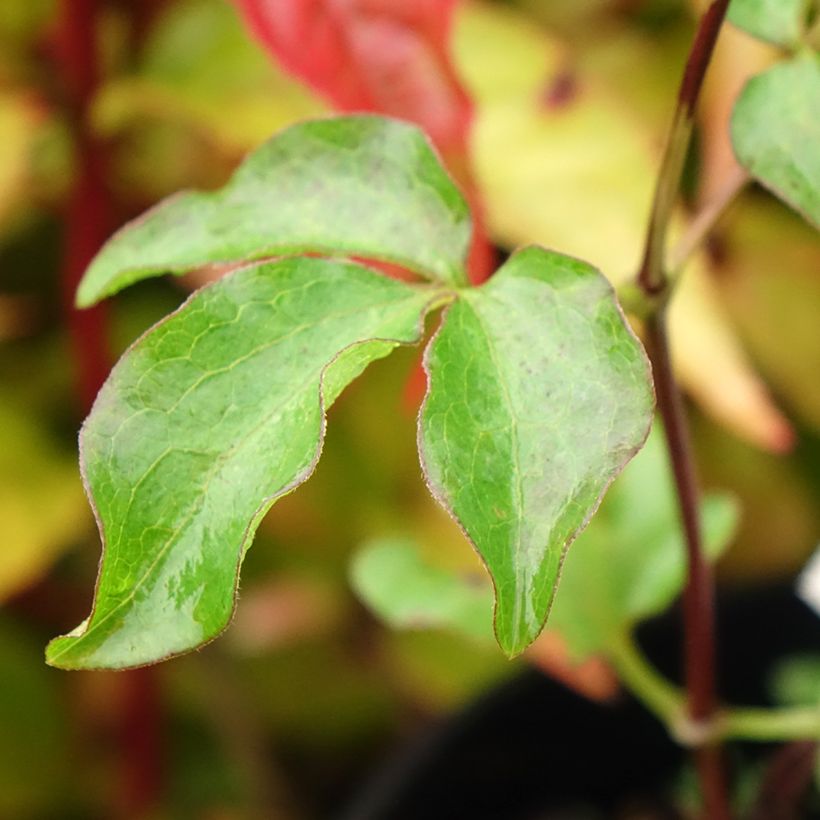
[538, 395]
[776, 131]
[361, 185]
[207, 420]
[777, 21]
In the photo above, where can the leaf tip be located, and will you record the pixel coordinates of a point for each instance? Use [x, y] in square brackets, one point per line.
[87, 295]
[55, 652]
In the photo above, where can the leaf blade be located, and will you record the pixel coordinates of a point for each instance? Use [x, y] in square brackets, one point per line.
[393, 58]
[361, 185]
[494, 421]
[776, 21]
[629, 564]
[775, 132]
[203, 424]
[391, 578]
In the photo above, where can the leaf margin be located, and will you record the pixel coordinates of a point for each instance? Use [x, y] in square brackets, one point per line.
[438, 295]
[86, 296]
[438, 493]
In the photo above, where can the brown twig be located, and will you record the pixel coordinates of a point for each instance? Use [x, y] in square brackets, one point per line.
[653, 280]
[698, 596]
[652, 274]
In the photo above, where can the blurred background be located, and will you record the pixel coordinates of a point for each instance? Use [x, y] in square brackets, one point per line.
[554, 116]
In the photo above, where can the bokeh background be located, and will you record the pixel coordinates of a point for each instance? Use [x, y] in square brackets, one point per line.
[106, 107]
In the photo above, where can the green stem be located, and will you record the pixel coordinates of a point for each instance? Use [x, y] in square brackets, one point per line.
[661, 697]
[652, 275]
[668, 703]
[796, 723]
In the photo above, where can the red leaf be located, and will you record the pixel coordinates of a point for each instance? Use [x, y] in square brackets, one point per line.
[385, 56]
[388, 56]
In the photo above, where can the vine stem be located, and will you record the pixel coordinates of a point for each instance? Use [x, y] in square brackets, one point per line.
[652, 277]
[87, 223]
[668, 703]
[658, 694]
[705, 220]
[653, 280]
[771, 725]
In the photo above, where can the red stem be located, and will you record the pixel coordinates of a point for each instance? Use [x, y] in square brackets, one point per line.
[699, 593]
[652, 276]
[87, 225]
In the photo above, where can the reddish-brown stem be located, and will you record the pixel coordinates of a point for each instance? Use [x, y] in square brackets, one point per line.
[87, 224]
[140, 742]
[698, 596]
[652, 275]
[87, 212]
[698, 600]
[653, 279]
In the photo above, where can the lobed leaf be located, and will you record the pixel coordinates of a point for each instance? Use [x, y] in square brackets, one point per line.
[362, 185]
[777, 21]
[538, 395]
[776, 132]
[207, 420]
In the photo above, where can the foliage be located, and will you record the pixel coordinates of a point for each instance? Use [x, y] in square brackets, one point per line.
[775, 136]
[225, 443]
[626, 566]
[549, 115]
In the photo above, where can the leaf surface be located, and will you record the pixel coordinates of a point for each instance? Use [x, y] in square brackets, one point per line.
[630, 562]
[581, 179]
[391, 577]
[388, 56]
[362, 185]
[538, 395]
[776, 132]
[777, 21]
[628, 565]
[207, 420]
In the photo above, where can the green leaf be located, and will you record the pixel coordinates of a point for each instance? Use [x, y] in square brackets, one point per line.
[208, 419]
[777, 21]
[776, 132]
[390, 576]
[796, 680]
[630, 563]
[361, 185]
[538, 396]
